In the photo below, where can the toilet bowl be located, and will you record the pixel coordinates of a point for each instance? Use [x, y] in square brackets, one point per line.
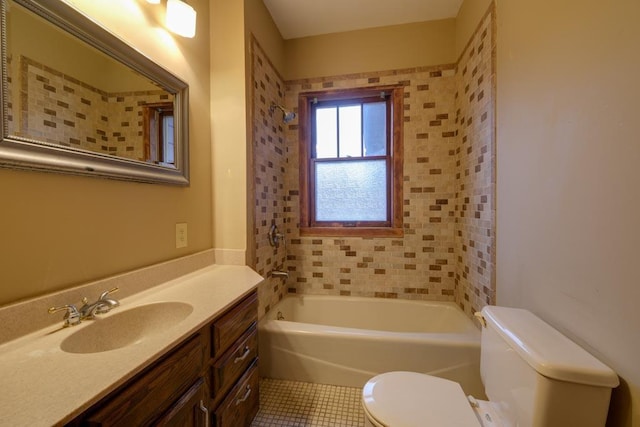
[404, 399]
[533, 375]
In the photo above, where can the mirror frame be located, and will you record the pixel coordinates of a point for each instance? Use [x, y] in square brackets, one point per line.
[29, 154]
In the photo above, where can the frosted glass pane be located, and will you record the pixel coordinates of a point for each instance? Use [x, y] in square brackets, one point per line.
[351, 191]
[326, 133]
[375, 128]
[167, 139]
[350, 131]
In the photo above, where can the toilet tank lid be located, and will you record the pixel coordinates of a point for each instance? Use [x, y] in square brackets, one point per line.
[546, 350]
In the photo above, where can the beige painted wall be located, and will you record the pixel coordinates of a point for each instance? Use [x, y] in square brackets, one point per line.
[228, 124]
[61, 230]
[374, 49]
[258, 22]
[58, 49]
[568, 174]
[469, 15]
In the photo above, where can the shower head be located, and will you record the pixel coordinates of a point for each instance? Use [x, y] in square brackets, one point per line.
[287, 116]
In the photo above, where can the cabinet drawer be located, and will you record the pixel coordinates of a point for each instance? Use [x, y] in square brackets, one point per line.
[152, 393]
[232, 325]
[228, 368]
[241, 405]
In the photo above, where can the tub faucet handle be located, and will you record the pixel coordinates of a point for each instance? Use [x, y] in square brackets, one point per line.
[275, 237]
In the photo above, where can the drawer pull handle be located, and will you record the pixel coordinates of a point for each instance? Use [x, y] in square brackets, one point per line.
[245, 353]
[245, 397]
[206, 414]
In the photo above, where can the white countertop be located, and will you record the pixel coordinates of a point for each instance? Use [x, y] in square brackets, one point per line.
[41, 385]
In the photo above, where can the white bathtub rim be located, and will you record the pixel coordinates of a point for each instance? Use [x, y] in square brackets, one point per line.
[286, 327]
[471, 331]
[450, 305]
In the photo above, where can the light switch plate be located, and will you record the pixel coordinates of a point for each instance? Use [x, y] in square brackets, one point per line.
[181, 235]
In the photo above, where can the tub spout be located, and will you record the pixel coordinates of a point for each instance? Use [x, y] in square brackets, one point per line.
[279, 273]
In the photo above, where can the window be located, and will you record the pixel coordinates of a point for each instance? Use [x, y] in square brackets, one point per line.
[351, 162]
[158, 133]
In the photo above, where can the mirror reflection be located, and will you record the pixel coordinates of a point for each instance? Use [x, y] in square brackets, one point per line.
[86, 101]
[77, 99]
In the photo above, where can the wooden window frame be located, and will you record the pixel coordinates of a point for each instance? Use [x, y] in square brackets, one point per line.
[152, 134]
[308, 226]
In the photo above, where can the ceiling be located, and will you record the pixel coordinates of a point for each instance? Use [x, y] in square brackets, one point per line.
[301, 18]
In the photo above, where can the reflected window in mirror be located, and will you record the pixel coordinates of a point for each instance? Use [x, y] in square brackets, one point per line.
[158, 133]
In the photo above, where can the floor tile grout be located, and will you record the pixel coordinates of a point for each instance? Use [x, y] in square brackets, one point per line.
[296, 404]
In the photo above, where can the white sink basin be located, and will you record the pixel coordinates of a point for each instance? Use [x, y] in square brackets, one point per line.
[125, 327]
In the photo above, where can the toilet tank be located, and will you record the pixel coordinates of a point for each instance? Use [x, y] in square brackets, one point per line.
[536, 377]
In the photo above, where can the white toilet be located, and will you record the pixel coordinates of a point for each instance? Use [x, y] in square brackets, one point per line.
[533, 375]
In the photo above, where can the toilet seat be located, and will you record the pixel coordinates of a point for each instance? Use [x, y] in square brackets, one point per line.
[410, 399]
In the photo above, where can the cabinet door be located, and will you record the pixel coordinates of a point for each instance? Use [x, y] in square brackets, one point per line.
[190, 410]
[241, 404]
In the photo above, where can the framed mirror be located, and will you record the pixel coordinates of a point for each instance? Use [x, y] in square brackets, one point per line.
[77, 99]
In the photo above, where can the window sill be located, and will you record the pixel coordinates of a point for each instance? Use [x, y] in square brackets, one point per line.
[351, 231]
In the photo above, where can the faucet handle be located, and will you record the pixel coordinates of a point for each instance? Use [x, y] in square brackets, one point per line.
[107, 303]
[110, 291]
[72, 316]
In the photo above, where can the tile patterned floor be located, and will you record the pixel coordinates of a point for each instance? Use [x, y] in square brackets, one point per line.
[296, 404]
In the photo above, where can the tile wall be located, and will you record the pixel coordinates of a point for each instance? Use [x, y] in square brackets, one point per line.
[9, 92]
[475, 171]
[60, 109]
[270, 165]
[447, 251]
[421, 264]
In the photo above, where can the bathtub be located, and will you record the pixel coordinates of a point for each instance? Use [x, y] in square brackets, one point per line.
[347, 340]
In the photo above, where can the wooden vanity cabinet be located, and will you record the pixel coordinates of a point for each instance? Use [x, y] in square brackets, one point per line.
[209, 380]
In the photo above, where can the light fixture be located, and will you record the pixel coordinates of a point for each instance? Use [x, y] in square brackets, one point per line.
[181, 18]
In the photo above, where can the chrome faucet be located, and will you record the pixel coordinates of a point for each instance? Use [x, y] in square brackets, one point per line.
[279, 273]
[102, 305]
